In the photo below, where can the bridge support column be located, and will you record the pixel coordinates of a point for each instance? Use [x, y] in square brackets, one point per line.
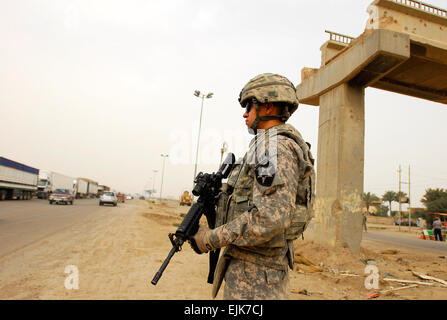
[338, 208]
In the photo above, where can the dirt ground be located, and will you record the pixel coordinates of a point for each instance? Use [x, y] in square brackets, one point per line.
[118, 254]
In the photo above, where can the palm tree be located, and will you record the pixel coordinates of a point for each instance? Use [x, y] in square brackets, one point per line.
[390, 196]
[403, 197]
[369, 199]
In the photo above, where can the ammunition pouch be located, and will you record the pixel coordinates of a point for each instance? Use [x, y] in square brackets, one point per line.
[223, 200]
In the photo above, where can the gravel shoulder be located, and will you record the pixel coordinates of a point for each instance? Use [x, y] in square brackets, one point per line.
[118, 252]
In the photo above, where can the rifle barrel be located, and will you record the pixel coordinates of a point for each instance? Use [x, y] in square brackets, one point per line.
[163, 266]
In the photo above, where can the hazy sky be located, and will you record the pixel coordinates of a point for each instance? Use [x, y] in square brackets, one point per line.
[99, 89]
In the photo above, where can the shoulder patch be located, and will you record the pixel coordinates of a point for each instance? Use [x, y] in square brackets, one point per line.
[265, 181]
[269, 185]
[265, 170]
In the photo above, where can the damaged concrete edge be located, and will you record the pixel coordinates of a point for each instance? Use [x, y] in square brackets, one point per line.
[332, 216]
[423, 22]
[414, 11]
[350, 62]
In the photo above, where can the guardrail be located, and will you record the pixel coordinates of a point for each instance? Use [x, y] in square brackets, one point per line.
[334, 36]
[423, 6]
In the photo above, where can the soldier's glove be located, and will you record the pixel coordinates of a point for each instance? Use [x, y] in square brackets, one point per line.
[202, 240]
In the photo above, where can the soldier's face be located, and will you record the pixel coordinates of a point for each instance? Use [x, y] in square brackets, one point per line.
[249, 114]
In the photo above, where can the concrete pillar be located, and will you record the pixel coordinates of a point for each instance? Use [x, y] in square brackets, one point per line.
[338, 207]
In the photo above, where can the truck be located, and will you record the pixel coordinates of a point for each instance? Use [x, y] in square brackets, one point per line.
[121, 197]
[86, 188]
[17, 180]
[50, 181]
[102, 188]
[92, 189]
[185, 199]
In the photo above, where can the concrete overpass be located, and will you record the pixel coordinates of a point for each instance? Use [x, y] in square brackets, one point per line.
[403, 50]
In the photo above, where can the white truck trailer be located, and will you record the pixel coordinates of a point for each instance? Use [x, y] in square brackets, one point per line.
[92, 189]
[81, 188]
[86, 188]
[50, 181]
[17, 181]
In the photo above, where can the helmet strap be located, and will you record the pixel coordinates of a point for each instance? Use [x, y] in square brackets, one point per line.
[254, 125]
[265, 118]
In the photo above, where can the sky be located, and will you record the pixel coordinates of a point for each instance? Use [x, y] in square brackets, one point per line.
[101, 88]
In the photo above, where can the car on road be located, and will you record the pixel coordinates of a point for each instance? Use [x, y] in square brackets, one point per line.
[121, 197]
[61, 196]
[108, 197]
[405, 223]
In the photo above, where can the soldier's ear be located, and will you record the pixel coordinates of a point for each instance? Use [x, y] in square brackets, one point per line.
[270, 109]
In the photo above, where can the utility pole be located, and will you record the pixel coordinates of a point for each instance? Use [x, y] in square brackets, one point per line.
[399, 194]
[162, 173]
[409, 189]
[409, 199]
[153, 184]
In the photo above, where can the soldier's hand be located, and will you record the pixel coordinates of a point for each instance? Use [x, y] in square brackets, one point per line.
[202, 240]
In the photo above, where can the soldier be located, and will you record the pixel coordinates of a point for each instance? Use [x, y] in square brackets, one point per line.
[267, 201]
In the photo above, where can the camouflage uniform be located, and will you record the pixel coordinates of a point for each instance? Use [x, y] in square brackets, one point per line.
[261, 219]
[266, 203]
[245, 280]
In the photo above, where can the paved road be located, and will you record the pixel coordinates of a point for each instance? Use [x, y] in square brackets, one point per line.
[396, 240]
[23, 222]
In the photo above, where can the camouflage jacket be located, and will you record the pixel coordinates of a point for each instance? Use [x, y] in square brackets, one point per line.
[268, 197]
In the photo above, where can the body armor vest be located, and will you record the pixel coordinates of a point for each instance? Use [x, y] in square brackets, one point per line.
[237, 198]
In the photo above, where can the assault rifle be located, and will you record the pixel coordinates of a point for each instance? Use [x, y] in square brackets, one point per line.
[207, 188]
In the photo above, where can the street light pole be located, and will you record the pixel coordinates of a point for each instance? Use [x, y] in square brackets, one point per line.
[153, 181]
[222, 151]
[202, 96]
[198, 140]
[162, 173]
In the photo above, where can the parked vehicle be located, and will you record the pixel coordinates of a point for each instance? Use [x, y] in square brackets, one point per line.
[61, 196]
[86, 188]
[108, 197]
[121, 197]
[405, 223]
[49, 181]
[17, 181]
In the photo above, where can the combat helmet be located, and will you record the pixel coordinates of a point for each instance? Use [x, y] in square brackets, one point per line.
[266, 88]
